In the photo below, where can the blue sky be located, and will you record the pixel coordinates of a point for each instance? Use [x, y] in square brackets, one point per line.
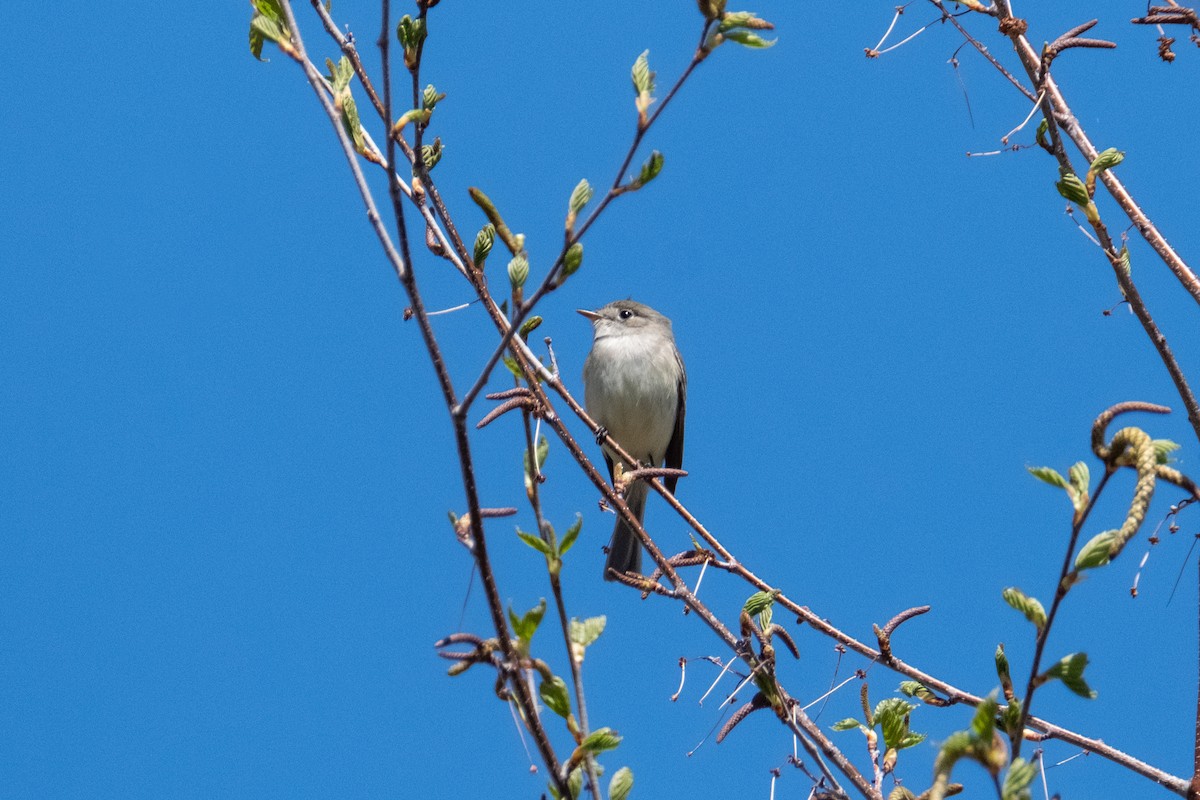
[226, 468]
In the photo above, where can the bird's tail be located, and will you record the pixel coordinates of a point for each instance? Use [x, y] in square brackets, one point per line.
[625, 551]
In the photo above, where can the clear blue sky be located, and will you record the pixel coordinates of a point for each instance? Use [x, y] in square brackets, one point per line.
[225, 469]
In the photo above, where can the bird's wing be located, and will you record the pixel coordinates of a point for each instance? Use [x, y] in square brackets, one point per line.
[675, 446]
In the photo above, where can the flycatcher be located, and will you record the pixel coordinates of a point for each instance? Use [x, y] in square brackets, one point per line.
[635, 387]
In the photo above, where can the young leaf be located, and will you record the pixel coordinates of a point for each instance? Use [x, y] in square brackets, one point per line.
[572, 259]
[1073, 189]
[527, 625]
[430, 98]
[512, 365]
[621, 783]
[542, 450]
[1163, 449]
[983, 724]
[1070, 671]
[650, 169]
[1029, 606]
[571, 535]
[352, 123]
[554, 694]
[483, 244]
[758, 601]
[535, 542]
[529, 326]
[643, 78]
[600, 740]
[748, 39]
[892, 716]
[580, 196]
[1080, 478]
[588, 631]
[849, 723]
[518, 270]
[1016, 782]
[1107, 160]
[1048, 475]
[1011, 717]
[431, 154]
[1097, 552]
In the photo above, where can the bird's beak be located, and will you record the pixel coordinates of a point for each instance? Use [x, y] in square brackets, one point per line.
[591, 315]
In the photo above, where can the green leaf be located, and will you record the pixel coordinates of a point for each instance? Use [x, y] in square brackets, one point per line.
[1126, 262]
[518, 270]
[431, 154]
[918, 690]
[512, 365]
[1070, 671]
[1163, 449]
[1031, 607]
[1001, 663]
[271, 9]
[1011, 717]
[1016, 782]
[1048, 475]
[542, 450]
[910, 740]
[892, 716]
[588, 631]
[748, 39]
[621, 783]
[430, 98]
[650, 169]
[256, 41]
[529, 326]
[411, 32]
[572, 259]
[554, 694]
[352, 123]
[849, 723]
[483, 244]
[758, 601]
[264, 28]
[643, 78]
[536, 542]
[340, 74]
[1107, 160]
[600, 740]
[575, 782]
[739, 19]
[1073, 189]
[764, 618]
[571, 535]
[527, 625]
[1042, 129]
[580, 196]
[1080, 478]
[1097, 552]
[983, 724]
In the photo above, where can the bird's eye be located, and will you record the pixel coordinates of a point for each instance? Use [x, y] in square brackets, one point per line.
[625, 313]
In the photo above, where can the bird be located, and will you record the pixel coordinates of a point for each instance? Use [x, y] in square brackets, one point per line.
[635, 389]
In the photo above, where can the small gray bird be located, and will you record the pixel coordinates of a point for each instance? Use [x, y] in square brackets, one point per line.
[635, 387]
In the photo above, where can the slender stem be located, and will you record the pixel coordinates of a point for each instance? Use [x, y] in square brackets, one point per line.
[520, 687]
[535, 502]
[1057, 113]
[1060, 592]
